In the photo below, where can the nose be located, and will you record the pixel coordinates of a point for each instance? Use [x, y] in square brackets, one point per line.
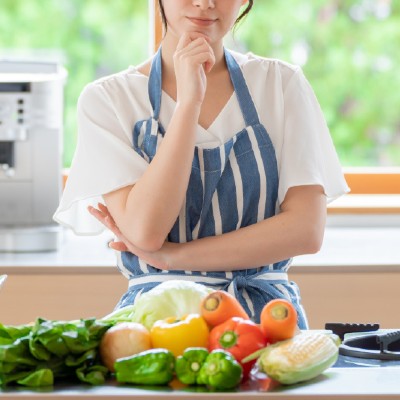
[204, 4]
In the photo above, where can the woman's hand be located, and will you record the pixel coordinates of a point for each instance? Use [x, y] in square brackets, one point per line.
[103, 215]
[193, 58]
[158, 259]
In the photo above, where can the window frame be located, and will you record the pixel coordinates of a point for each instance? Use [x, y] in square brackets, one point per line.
[156, 28]
[373, 180]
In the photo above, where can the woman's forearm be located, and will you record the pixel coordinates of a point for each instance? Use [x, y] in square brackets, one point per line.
[147, 211]
[250, 247]
[297, 230]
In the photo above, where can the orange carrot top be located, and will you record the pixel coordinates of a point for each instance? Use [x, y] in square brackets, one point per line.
[219, 306]
[278, 320]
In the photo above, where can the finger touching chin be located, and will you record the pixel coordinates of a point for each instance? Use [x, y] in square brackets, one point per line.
[192, 35]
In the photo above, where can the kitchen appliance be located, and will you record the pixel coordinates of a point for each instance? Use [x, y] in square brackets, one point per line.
[31, 137]
[367, 342]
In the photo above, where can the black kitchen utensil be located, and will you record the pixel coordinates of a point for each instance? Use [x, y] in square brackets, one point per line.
[341, 329]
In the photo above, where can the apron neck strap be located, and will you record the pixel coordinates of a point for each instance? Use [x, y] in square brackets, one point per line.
[246, 104]
[155, 84]
[242, 92]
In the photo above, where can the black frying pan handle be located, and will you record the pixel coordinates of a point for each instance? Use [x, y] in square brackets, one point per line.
[340, 329]
[385, 339]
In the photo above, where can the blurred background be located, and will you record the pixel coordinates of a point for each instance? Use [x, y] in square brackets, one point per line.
[348, 49]
[350, 53]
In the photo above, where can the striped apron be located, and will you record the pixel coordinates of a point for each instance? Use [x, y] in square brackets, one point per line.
[231, 186]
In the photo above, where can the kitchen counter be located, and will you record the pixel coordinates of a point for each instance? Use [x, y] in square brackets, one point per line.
[347, 383]
[347, 249]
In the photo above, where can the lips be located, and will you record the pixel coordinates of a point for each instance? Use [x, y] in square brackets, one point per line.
[201, 21]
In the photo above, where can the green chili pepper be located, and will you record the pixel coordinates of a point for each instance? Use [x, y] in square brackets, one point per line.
[188, 365]
[220, 371]
[151, 367]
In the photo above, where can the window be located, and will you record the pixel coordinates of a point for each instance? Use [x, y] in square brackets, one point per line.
[348, 50]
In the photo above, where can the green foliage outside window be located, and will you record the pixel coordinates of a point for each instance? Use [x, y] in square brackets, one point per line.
[92, 38]
[348, 49]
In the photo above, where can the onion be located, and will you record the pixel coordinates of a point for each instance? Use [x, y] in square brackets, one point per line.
[123, 340]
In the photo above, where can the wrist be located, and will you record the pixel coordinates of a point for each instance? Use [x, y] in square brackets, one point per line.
[173, 256]
[190, 108]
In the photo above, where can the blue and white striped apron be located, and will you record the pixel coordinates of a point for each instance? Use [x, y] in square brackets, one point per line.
[230, 187]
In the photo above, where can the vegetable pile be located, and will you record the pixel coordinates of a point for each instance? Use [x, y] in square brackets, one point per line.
[179, 331]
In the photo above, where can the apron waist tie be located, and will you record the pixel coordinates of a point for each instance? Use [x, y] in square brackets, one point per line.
[239, 282]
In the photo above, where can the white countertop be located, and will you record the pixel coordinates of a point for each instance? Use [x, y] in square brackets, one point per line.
[359, 248]
[335, 383]
[347, 248]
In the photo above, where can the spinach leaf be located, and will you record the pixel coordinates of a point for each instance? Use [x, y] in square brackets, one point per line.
[40, 354]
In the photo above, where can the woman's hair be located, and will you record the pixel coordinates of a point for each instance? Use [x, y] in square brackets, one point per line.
[238, 19]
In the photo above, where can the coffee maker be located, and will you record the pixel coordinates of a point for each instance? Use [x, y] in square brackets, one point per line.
[31, 138]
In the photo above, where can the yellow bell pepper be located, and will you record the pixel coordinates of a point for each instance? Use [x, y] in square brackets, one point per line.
[177, 334]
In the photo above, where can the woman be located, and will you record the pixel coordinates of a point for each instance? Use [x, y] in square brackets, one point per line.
[214, 166]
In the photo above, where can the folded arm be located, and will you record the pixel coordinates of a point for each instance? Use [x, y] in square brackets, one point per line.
[297, 230]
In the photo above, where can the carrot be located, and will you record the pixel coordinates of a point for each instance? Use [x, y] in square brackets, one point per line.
[278, 320]
[219, 306]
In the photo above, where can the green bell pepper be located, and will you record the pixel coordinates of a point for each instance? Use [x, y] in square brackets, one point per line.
[150, 367]
[220, 371]
[188, 365]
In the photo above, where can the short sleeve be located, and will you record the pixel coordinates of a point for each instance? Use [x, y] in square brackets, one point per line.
[104, 161]
[308, 155]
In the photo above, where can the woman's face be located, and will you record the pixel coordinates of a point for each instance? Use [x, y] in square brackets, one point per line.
[213, 18]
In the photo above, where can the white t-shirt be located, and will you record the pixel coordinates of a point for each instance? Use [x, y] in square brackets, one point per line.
[109, 108]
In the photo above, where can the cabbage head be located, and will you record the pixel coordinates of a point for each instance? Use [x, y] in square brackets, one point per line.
[174, 298]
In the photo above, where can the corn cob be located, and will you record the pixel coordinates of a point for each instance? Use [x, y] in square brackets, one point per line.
[300, 358]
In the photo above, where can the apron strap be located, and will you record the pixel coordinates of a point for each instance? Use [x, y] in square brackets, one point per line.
[246, 103]
[154, 85]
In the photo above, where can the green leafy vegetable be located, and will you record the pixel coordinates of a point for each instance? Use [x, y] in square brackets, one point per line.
[42, 377]
[37, 355]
